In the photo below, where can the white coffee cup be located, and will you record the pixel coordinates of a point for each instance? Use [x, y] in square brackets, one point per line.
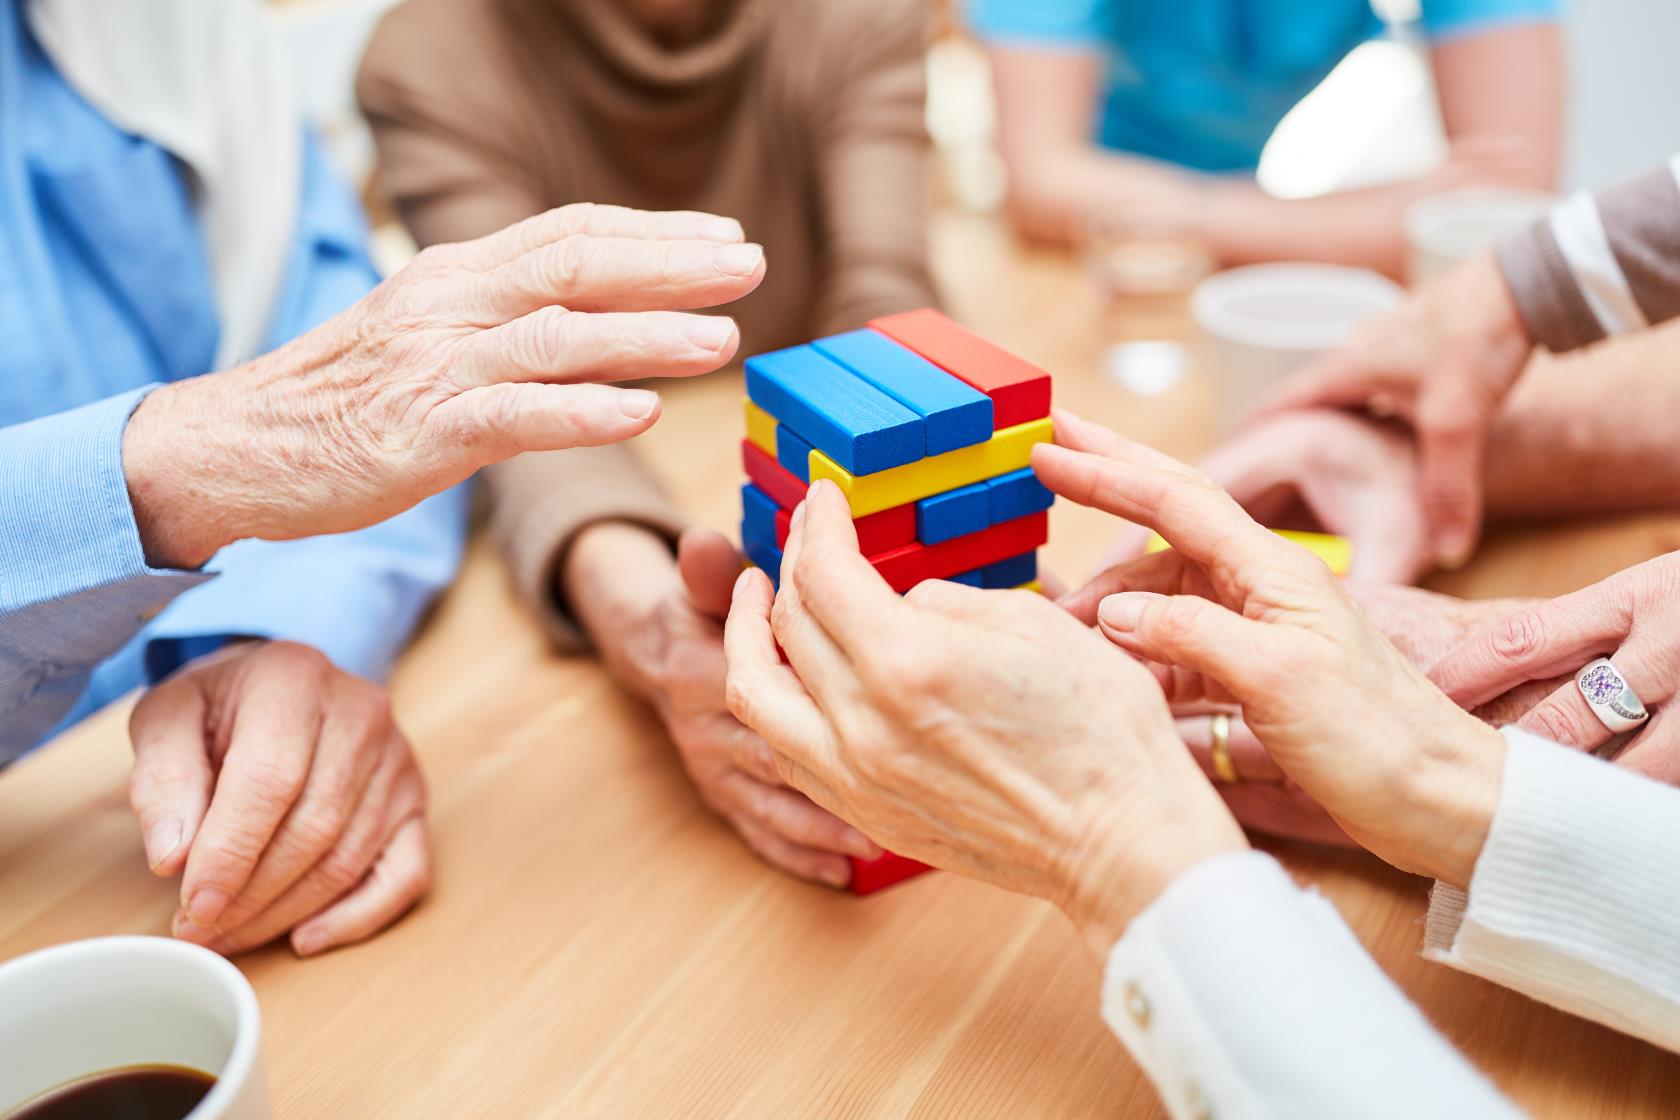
[1453, 226]
[114, 1002]
[1265, 321]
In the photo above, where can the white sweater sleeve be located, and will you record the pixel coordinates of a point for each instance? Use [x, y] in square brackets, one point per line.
[1575, 899]
[1242, 996]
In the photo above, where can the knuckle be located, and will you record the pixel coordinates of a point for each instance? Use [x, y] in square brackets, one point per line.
[550, 332]
[1550, 722]
[296, 659]
[1519, 637]
[272, 782]
[341, 869]
[567, 262]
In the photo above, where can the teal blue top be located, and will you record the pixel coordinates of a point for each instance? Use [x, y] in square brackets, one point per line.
[1203, 83]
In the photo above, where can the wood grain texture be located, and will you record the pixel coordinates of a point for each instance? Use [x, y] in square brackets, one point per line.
[597, 945]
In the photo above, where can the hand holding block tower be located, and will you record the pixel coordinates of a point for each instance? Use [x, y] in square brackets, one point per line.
[928, 431]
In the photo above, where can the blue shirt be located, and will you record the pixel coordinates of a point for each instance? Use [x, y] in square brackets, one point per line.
[105, 292]
[1203, 83]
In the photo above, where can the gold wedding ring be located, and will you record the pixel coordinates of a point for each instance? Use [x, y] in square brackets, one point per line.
[1219, 735]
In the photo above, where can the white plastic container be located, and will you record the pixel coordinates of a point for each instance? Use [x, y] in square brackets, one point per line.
[1444, 229]
[1265, 321]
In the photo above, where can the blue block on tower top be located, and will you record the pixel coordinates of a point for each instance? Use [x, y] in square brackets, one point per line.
[793, 453]
[1018, 494]
[838, 412]
[957, 414]
[955, 513]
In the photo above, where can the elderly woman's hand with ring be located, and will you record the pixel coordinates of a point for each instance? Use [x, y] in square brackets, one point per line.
[1632, 618]
[984, 732]
[1235, 614]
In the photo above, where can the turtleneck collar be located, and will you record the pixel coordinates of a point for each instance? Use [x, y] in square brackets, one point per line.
[621, 46]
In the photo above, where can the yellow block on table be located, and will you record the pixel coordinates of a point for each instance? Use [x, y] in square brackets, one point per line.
[1336, 552]
[1008, 450]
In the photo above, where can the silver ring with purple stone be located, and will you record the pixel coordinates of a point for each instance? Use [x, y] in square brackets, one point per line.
[1610, 697]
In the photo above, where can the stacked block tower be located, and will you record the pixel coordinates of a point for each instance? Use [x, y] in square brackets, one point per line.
[928, 430]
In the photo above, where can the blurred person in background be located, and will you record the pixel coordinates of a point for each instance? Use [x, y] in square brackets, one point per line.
[1132, 112]
[801, 118]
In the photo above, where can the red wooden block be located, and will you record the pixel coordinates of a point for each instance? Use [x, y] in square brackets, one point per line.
[878, 532]
[781, 484]
[1020, 391]
[903, 568]
[871, 875]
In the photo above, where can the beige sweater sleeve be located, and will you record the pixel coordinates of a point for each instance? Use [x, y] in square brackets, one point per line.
[873, 160]
[1599, 264]
[445, 159]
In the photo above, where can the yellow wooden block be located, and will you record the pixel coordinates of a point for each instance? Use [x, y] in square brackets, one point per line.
[1336, 552]
[1032, 585]
[761, 429]
[1007, 450]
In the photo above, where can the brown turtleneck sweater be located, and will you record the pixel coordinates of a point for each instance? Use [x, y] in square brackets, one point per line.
[801, 118]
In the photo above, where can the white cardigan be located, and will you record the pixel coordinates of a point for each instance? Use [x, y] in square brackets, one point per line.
[1242, 995]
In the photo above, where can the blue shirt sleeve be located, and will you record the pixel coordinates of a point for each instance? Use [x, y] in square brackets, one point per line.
[74, 582]
[354, 596]
[1449, 19]
[1074, 23]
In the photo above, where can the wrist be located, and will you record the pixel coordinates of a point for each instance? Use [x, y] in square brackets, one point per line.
[168, 469]
[1120, 869]
[1501, 333]
[1452, 792]
[613, 578]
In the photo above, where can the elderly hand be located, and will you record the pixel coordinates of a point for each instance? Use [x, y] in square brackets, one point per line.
[1328, 472]
[1444, 361]
[1633, 618]
[1235, 614]
[471, 354]
[659, 627]
[985, 732]
[287, 795]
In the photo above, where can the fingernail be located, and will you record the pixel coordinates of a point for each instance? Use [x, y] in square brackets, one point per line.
[709, 332]
[1454, 555]
[738, 260]
[837, 878]
[308, 942]
[721, 229]
[205, 906]
[161, 841]
[862, 846]
[637, 404]
[1120, 612]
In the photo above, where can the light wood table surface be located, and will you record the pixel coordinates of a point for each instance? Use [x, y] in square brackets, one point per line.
[597, 945]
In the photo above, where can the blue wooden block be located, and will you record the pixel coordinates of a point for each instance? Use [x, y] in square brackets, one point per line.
[793, 453]
[1018, 494]
[758, 515]
[763, 553]
[976, 578]
[957, 414]
[955, 513]
[857, 425]
[1012, 572]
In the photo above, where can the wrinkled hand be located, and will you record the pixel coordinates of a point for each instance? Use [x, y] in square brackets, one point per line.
[670, 651]
[471, 354]
[1633, 618]
[983, 732]
[282, 791]
[1423, 625]
[1234, 614]
[1327, 472]
[1443, 361]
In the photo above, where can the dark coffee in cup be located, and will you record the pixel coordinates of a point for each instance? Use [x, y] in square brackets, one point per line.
[132, 1093]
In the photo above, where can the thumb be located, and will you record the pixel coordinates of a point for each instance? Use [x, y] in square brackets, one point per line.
[497, 422]
[709, 565]
[171, 783]
[1450, 434]
[1189, 632]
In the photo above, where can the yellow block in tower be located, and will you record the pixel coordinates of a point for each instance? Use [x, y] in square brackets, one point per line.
[1007, 450]
[1336, 552]
[761, 428]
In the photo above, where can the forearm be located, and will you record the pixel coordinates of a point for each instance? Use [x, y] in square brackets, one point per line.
[1549, 454]
[1572, 900]
[1363, 228]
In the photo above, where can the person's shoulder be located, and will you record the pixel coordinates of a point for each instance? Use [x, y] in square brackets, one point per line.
[429, 44]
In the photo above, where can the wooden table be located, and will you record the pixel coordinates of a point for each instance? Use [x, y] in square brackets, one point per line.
[597, 945]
